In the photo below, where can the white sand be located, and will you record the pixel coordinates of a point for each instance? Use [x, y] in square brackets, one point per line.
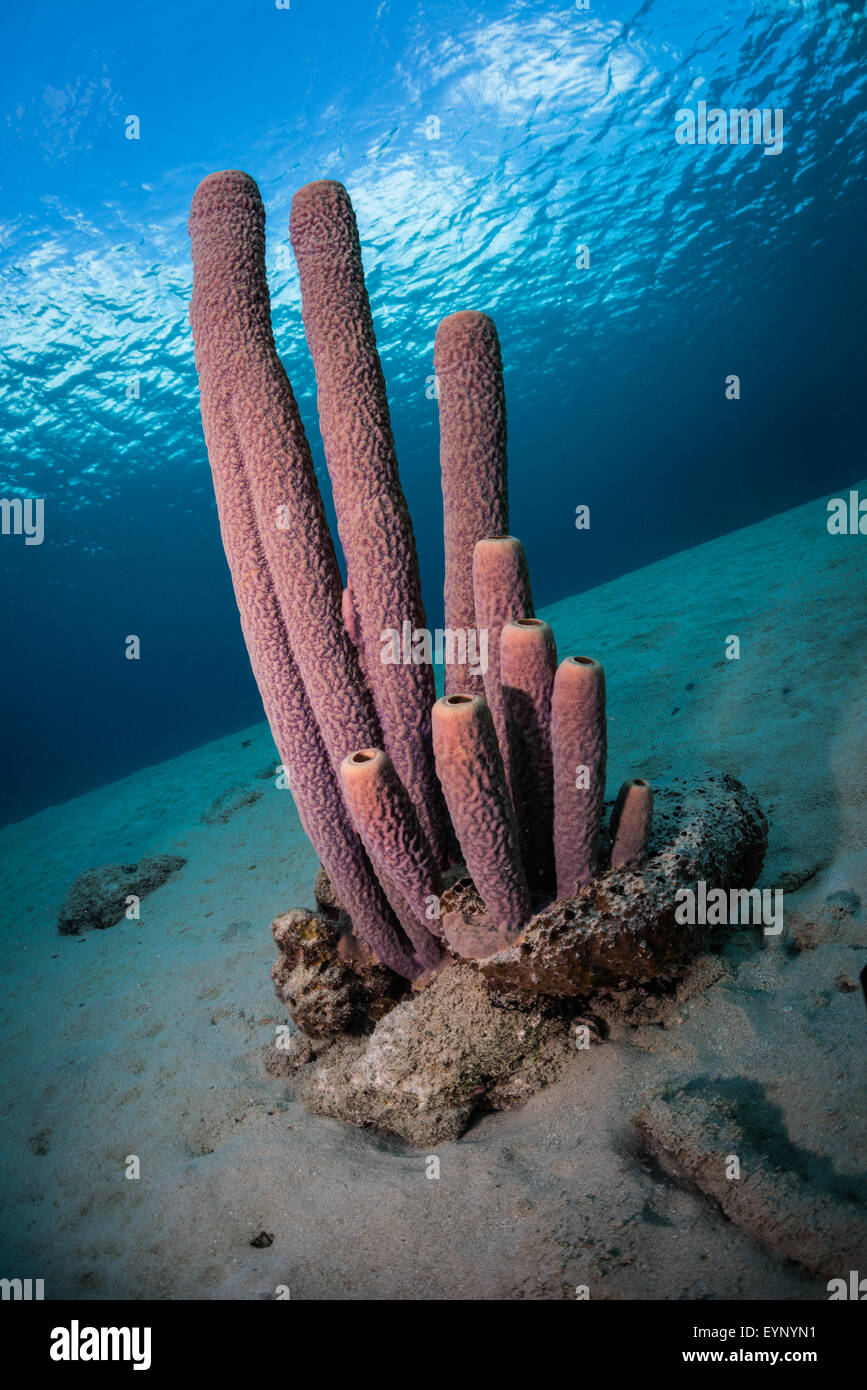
[149, 1038]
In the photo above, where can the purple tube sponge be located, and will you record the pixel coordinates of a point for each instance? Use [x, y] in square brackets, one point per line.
[631, 823]
[528, 660]
[470, 769]
[501, 590]
[579, 746]
[311, 777]
[372, 516]
[384, 816]
[243, 385]
[472, 408]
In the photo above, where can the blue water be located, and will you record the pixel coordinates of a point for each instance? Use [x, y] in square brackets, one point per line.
[556, 128]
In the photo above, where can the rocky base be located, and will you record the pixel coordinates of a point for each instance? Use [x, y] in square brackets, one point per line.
[490, 1030]
[436, 1060]
[329, 980]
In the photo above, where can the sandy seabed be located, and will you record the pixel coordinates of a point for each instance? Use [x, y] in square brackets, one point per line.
[151, 1038]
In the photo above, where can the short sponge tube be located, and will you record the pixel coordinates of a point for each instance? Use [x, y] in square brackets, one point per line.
[473, 780]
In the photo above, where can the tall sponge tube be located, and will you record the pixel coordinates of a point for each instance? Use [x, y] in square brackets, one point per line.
[312, 779]
[247, 395]
[501, 591]
[372, 516]
[472, 408]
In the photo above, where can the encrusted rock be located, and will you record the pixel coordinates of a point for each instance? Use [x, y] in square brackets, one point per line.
[329, 980]
[621, 929]
[437, 1058]
[98, 897]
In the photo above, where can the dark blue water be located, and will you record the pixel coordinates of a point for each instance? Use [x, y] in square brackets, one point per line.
[556, 128]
